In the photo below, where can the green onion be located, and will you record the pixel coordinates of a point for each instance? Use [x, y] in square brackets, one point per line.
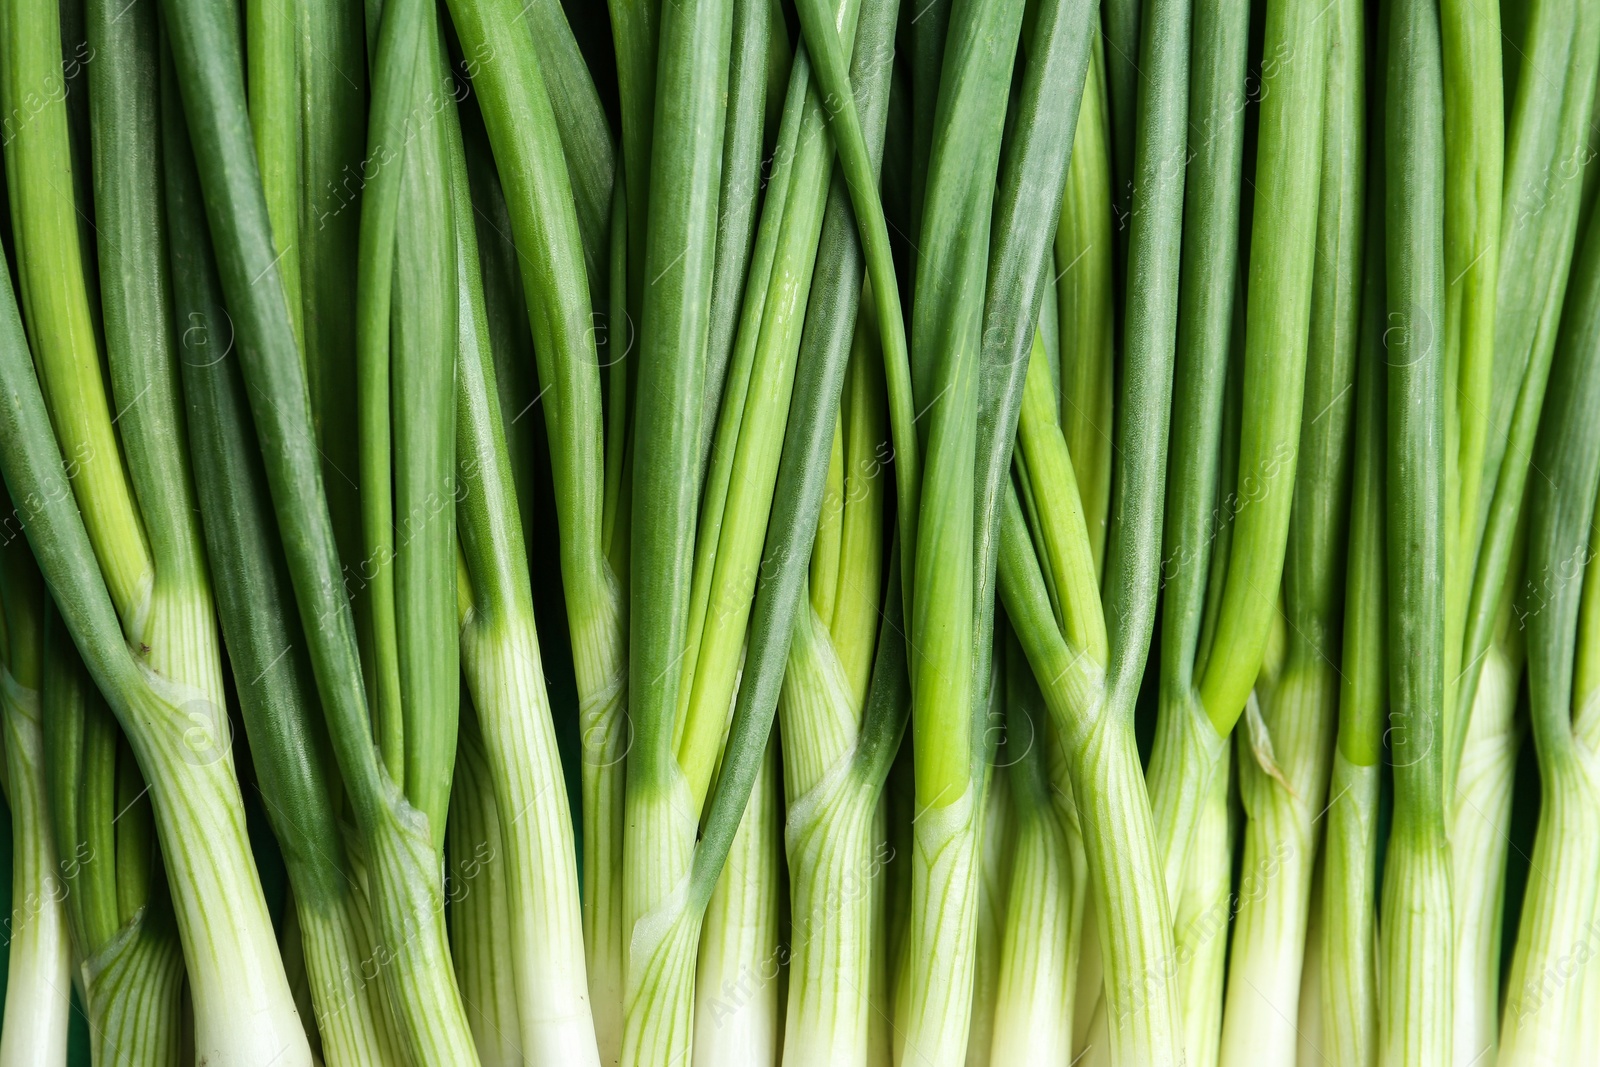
[1283, 774]
[1543, 1011]
[1415, 929]
[660, 832]
[34, 1028]
[256, 605]
[1343, 952]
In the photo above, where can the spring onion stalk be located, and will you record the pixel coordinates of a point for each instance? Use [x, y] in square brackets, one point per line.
[39, 965]
[1040, 937]
[953, 256]
[504, 673]
[832, 707]
[1205, 322]
[1085, 307]
[832, 781]
[739, 195]
[1416, 936]
[1086, 315]
[1545, 142]
[405, 372]
[830, 807]
[1051, 597]
[1277, 320]
[1347, 987]
[331, 73]
[115, 894]
[1474, 117]
[797, 503]
[166, 688]
[522, 134]
[744, 464]
[997, 843]
[277, 694]
[1480, 830]
[661, 813]
[738, 994]
[791, 537]
[1197, 532]
[1055, 46]
[580, 119]
[400, 853]
[860, 171]
[1206, 904]
[1285, 761]
[735, 508]
[1138, 1021]
[635, 34]
[1545, 998]
[480, 916]
[749, 433]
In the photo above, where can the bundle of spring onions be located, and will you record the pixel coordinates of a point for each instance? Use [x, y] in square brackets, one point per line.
[772, 533]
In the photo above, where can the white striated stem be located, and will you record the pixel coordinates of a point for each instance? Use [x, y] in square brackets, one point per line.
[38, 983]
[1139, 1021]
[600, 660]
[997, 848]
[1479, 837]
[833, 869]
[479, 910]
[134, 987]
[658, 1006]
[244, 1012]
[1283, 778]
[410, 954]
[737, 1010]
[1558, 935]
[1185, 759]
[354, 1030]
[504, 674]
[659, 1010]
[1415, 950]
[944, 900]
[1349, 916]
[1038, 966]
[1205, 905]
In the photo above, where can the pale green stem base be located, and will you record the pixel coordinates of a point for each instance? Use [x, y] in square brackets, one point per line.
[411, 953]
[1205, 905]
[506, 679]
[134, 988]
[1311, 1039]
[1038, 966]
[244, 1012]
[1185, 759]
[944, 901]
[658, 1007]
[1348, 986]
[480, 915]
[996, 851]
[1479, 838]
[38, 983]
[1557, 936]
[1139, 1022]
[737, 1011]
[1294, 737]
[659, 1011]
[349, 1014]
[1416, 950]
[832, 876]
[600, 659]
